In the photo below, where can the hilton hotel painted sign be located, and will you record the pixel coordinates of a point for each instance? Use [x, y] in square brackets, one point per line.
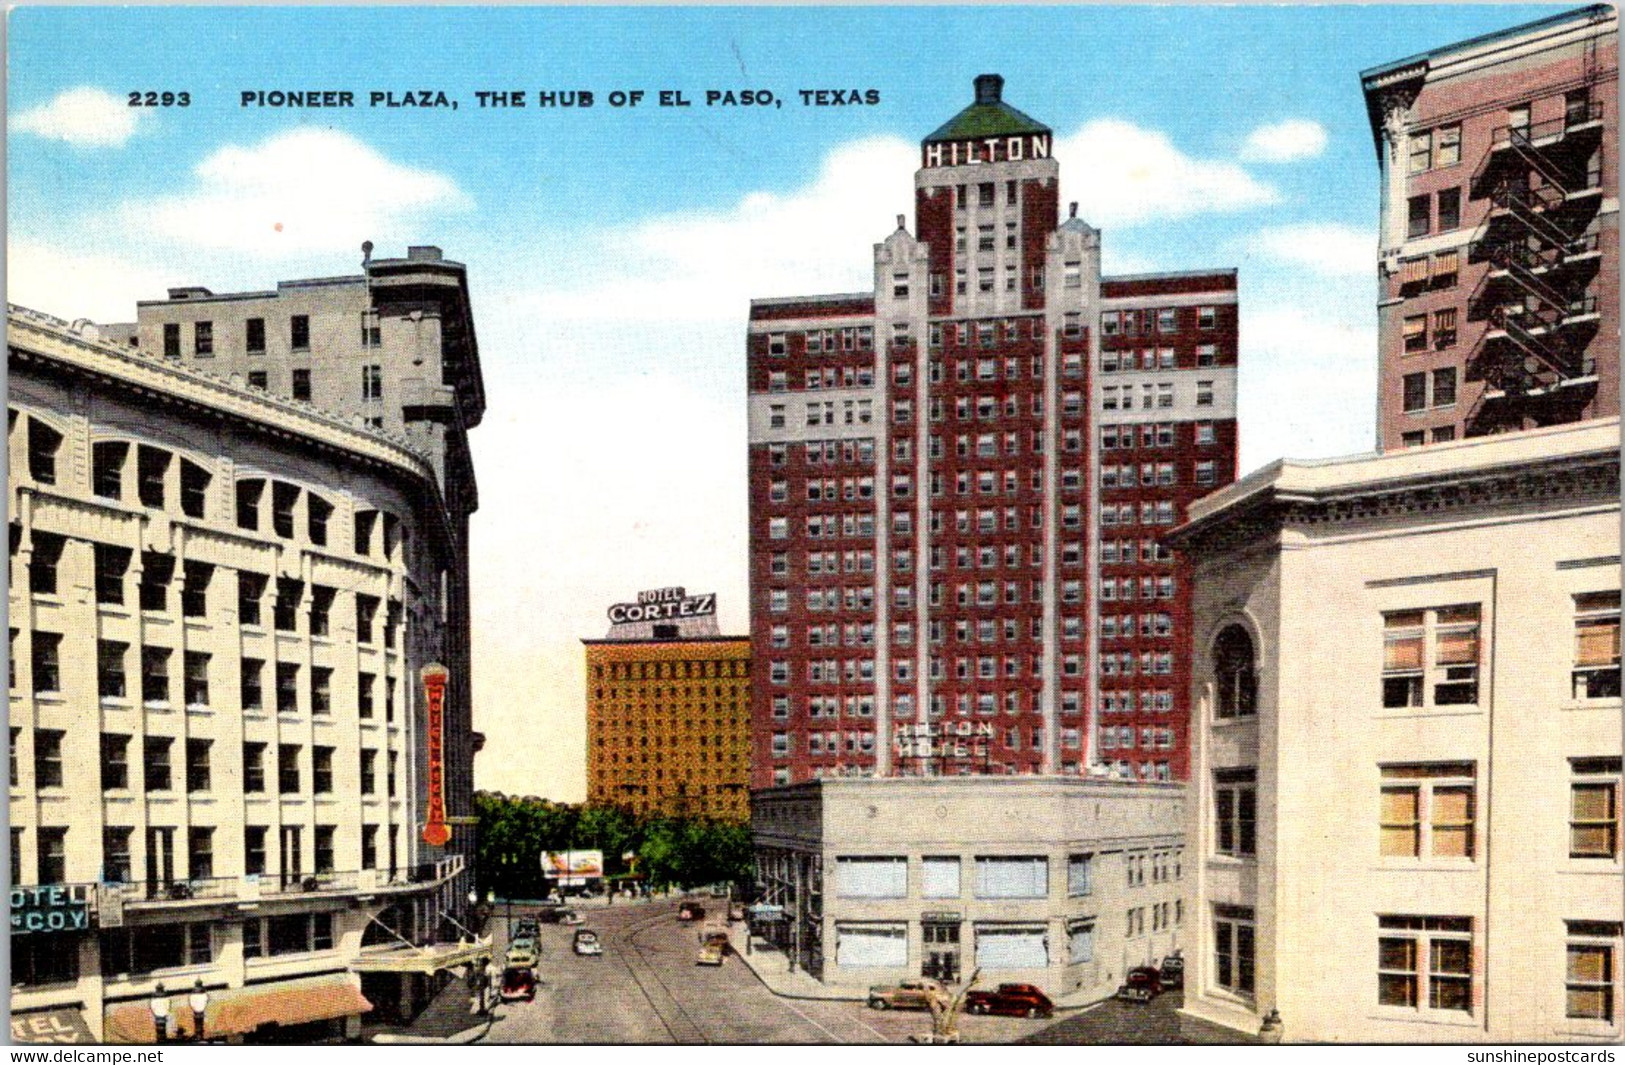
[987, 150]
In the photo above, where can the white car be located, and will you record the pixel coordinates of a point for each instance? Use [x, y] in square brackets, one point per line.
[587, 944]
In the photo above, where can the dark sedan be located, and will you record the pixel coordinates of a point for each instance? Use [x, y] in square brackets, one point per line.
[1015, 1000]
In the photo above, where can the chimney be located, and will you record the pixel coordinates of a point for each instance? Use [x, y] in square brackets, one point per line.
[423, 253]
[989, 88]
[899, 221]
[1072, 210]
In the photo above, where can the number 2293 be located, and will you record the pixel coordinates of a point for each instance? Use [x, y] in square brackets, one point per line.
[160, 99]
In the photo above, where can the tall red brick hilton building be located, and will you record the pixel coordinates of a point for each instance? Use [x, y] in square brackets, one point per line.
[958, 481]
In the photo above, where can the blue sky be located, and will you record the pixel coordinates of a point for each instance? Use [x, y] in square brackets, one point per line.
[612, 252]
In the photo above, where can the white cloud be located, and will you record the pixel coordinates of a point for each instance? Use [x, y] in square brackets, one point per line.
[1327, 249]
[86, 116]
[1122, 174]
[1308, 384]
[1287, 141]
[72, 285]
[307, 190]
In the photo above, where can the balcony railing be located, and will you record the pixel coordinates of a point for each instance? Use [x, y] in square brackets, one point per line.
[240, 888]
[1576, 116]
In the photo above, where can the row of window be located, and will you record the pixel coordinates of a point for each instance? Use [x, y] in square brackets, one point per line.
[1151, 701]
[1154, 359]
[1160, 320]
[1158, 396]
[203, 335]
[1159, 434]
[1121, 737]
[1115, 552]
[157, 764]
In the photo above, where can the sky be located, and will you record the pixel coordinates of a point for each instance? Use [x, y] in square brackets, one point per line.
[612, 251]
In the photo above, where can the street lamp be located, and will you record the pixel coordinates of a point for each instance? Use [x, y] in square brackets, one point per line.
[199, 1001]
[160, 1013]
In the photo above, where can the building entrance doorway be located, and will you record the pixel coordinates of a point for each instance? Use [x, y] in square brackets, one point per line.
[940, 951]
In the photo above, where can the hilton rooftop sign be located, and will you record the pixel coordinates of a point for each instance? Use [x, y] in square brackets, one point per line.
[988, 150]
[664, 604]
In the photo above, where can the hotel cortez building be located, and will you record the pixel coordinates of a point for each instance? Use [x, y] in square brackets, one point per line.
[959, 479]
[221, 600]
[1498, 260]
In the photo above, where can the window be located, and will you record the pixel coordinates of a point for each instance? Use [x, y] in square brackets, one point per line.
[1428, 810]
[1236, 684]
[1078, 869]
[253, 865]
[1204, 393]
[372, 382]
[1235, 808]
[155, 675]
[197, 765]
[172, 340]
[254, 775]
[877, 945]
[111, 563]
[195, 679]
[321, 690]
[1444, 335]
[200, 857]
[252, 691]
[259, 379]
[156, 570]
[1449, 203]
[1447, 146]
[325, 864]
[871, 878]
[1421, 152]
[940, 878]
[1444, 384]
[194, 489]
[52, 852]
[366, 610]
[116, 855]
[107, 469]
[47, 662]
[156, 772]
[1425, 954]
[301, 384]
[1012, 878]
[1596, 645]
[1233, 953]
[287, 768]
[1591, 974]
[287, 687]
[254, 336]
[1012, 947]
[1449, 674]
[1080, 937]
[1594, 808]
[1418, 216]
[248, 503]
[299, 332]
[1416, 339]
[321, 770]
[285, 611]
[369, 772]
[115, 761]
[203, 338]
[369, 846]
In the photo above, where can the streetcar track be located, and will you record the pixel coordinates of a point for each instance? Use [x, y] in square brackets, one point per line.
[630, 936]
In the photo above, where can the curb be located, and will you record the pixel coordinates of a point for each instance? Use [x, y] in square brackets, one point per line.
[790, 995]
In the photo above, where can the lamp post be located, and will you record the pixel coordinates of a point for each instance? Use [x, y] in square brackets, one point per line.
[199, 1001]
[160, 1013]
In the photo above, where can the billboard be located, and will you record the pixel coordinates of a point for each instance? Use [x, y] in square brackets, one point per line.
[572, 868]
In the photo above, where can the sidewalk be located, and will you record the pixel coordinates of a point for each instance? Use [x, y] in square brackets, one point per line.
[770, 966]
[446, 1019]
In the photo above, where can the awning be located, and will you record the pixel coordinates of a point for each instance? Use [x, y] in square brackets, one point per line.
[426, 960]
[238, 1012]
[50, 1026]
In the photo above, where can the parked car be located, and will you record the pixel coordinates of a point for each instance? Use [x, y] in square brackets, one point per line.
[714, 937]
[587, 944]
[1142, 984]
[1014, 1000]
[1172, 972]
[913, 994]
[571, 918]
[711, 953]
[690, 911]
[518, 984]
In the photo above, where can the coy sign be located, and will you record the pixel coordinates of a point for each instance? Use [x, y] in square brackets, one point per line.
[663, 604]
[47, 909]
[436, 832]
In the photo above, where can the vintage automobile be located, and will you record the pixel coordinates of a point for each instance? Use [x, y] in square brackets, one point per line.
[526, 926]
[1142, 984]
[571, 918]
[587, 943]
[736, 911]
[521, 954]
[1014, 1000]
[711, 953]
[518, 984]
[1172, 972]
[690, 911]
[912, 994]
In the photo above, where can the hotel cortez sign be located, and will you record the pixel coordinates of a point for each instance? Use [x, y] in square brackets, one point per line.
[987, 150]
[664, 604]
[436, 832]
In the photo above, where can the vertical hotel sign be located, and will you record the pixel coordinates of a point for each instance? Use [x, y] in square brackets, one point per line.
[436, 832]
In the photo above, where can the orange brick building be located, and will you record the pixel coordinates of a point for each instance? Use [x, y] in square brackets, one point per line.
[668, 725]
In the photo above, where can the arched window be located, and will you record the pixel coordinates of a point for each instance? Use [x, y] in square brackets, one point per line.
[1234, 671]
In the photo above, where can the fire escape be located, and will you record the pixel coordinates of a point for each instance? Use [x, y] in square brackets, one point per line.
[1544, 186]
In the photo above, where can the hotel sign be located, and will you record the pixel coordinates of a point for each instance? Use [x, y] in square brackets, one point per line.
[961, 739]
[436, 832]
[988, 150]
[664, 604]
[51, 908]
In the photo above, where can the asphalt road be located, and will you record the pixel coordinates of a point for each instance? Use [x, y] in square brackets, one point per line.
[645, 988]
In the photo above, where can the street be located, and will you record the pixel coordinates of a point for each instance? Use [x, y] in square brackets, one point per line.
[646, 988]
